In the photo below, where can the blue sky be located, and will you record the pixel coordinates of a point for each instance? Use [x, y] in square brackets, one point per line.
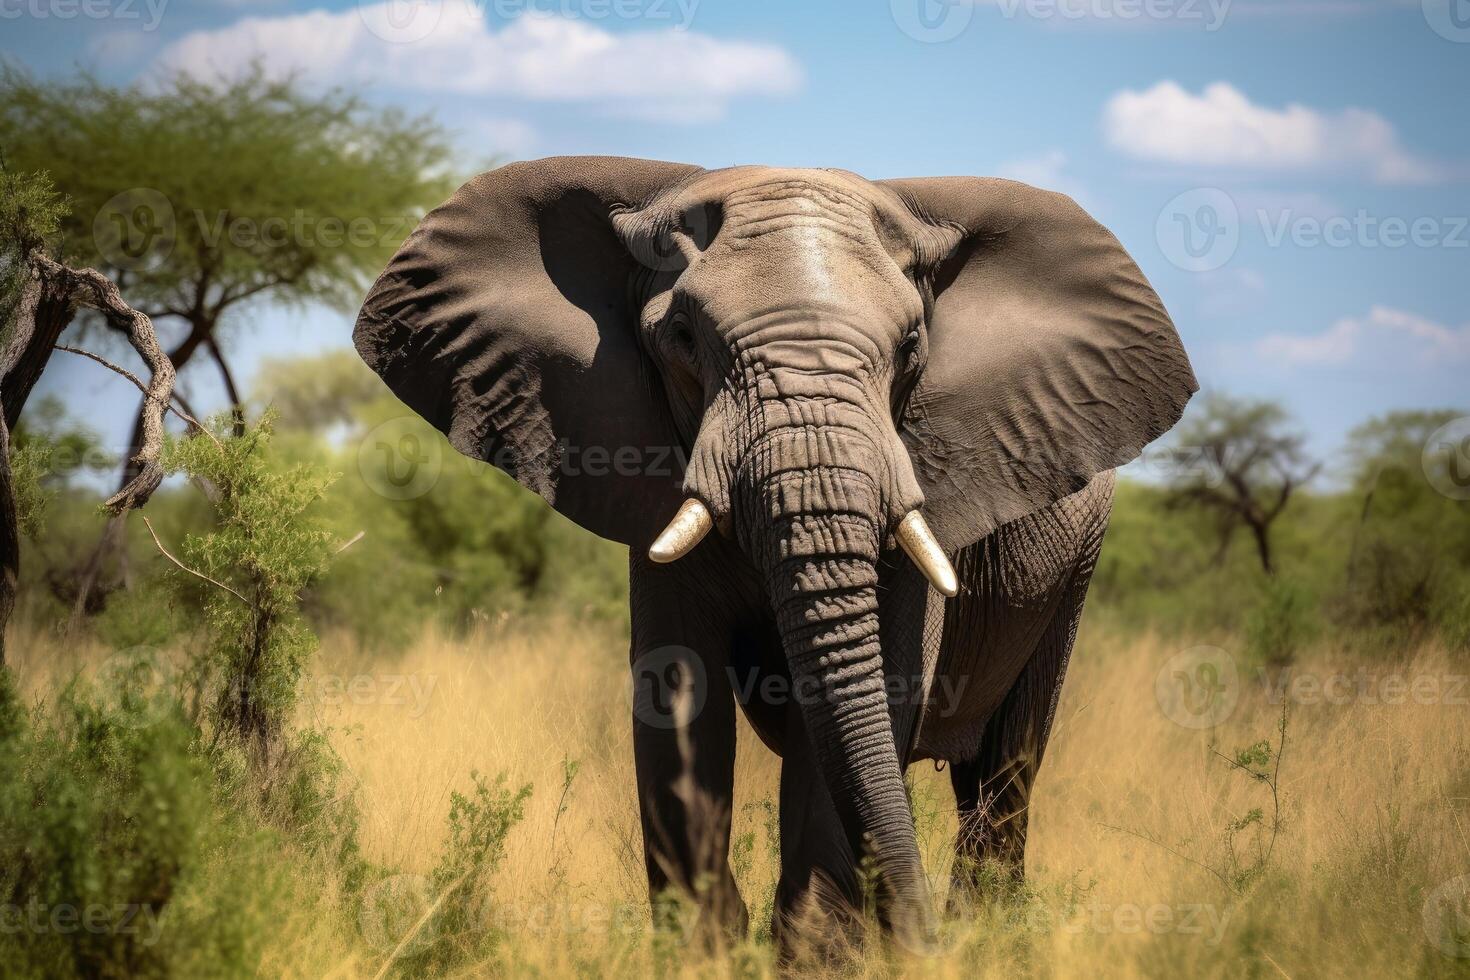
[1292, 175]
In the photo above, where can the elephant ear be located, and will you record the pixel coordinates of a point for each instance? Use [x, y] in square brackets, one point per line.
[1051, 359]
[504, 320]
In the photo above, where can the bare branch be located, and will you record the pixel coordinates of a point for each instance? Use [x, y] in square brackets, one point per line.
[91, 289]
[199, 575]
[179, 410]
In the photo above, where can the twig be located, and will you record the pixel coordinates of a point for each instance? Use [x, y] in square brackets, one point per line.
[418, 926]
[178, 410]
[350, 542]
[196, 574]
[1158, 843]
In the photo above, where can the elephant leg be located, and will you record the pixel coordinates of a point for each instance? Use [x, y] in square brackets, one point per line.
[684, 756]
[993, 790]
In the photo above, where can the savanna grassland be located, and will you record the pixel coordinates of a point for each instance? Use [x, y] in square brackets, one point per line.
[326, 727]
[1153, 852]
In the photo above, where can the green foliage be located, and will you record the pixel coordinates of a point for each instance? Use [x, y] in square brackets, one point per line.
[124, 851]
[47, 448]
[1249, 839]
[1282, 622]
[31, 212]
[226, 188]
[456, 929]
[261, 554]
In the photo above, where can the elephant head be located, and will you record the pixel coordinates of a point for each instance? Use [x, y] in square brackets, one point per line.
[821, 366]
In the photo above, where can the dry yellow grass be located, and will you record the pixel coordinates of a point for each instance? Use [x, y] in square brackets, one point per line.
[1129, 822]
[1129, 819]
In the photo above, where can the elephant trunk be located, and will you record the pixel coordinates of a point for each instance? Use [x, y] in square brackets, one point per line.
[810, 500]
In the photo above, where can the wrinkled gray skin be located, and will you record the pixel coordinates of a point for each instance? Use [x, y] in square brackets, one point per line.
[828, 354]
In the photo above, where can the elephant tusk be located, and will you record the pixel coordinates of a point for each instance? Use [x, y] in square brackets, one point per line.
[686, 530]
[919, 542]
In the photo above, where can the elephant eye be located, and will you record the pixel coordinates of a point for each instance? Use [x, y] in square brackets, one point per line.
[681, 337]
[908, 351]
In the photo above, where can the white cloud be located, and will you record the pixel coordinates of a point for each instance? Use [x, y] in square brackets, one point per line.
[1231, 292]
[1221, 127]
[664, 74]
[1048, 171]
[1383, 337]
[503, 136]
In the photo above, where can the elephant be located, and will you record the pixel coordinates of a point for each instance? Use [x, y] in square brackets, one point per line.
[897, 404]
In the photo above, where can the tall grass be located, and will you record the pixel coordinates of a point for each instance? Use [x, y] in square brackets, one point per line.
[1153, 850]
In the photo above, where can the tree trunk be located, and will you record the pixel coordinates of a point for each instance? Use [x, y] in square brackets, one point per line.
[9, 539]
[1262, 535]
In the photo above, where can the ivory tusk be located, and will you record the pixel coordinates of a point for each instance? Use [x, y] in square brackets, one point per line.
[686, 530]
[919, 543]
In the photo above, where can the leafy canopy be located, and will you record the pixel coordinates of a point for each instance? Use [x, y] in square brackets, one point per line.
[196, 195]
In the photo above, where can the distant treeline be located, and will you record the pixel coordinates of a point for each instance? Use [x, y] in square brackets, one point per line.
[1382, 563]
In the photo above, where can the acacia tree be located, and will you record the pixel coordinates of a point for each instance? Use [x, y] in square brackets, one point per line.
[199, 197]
[38, 299]
[1247, 461]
